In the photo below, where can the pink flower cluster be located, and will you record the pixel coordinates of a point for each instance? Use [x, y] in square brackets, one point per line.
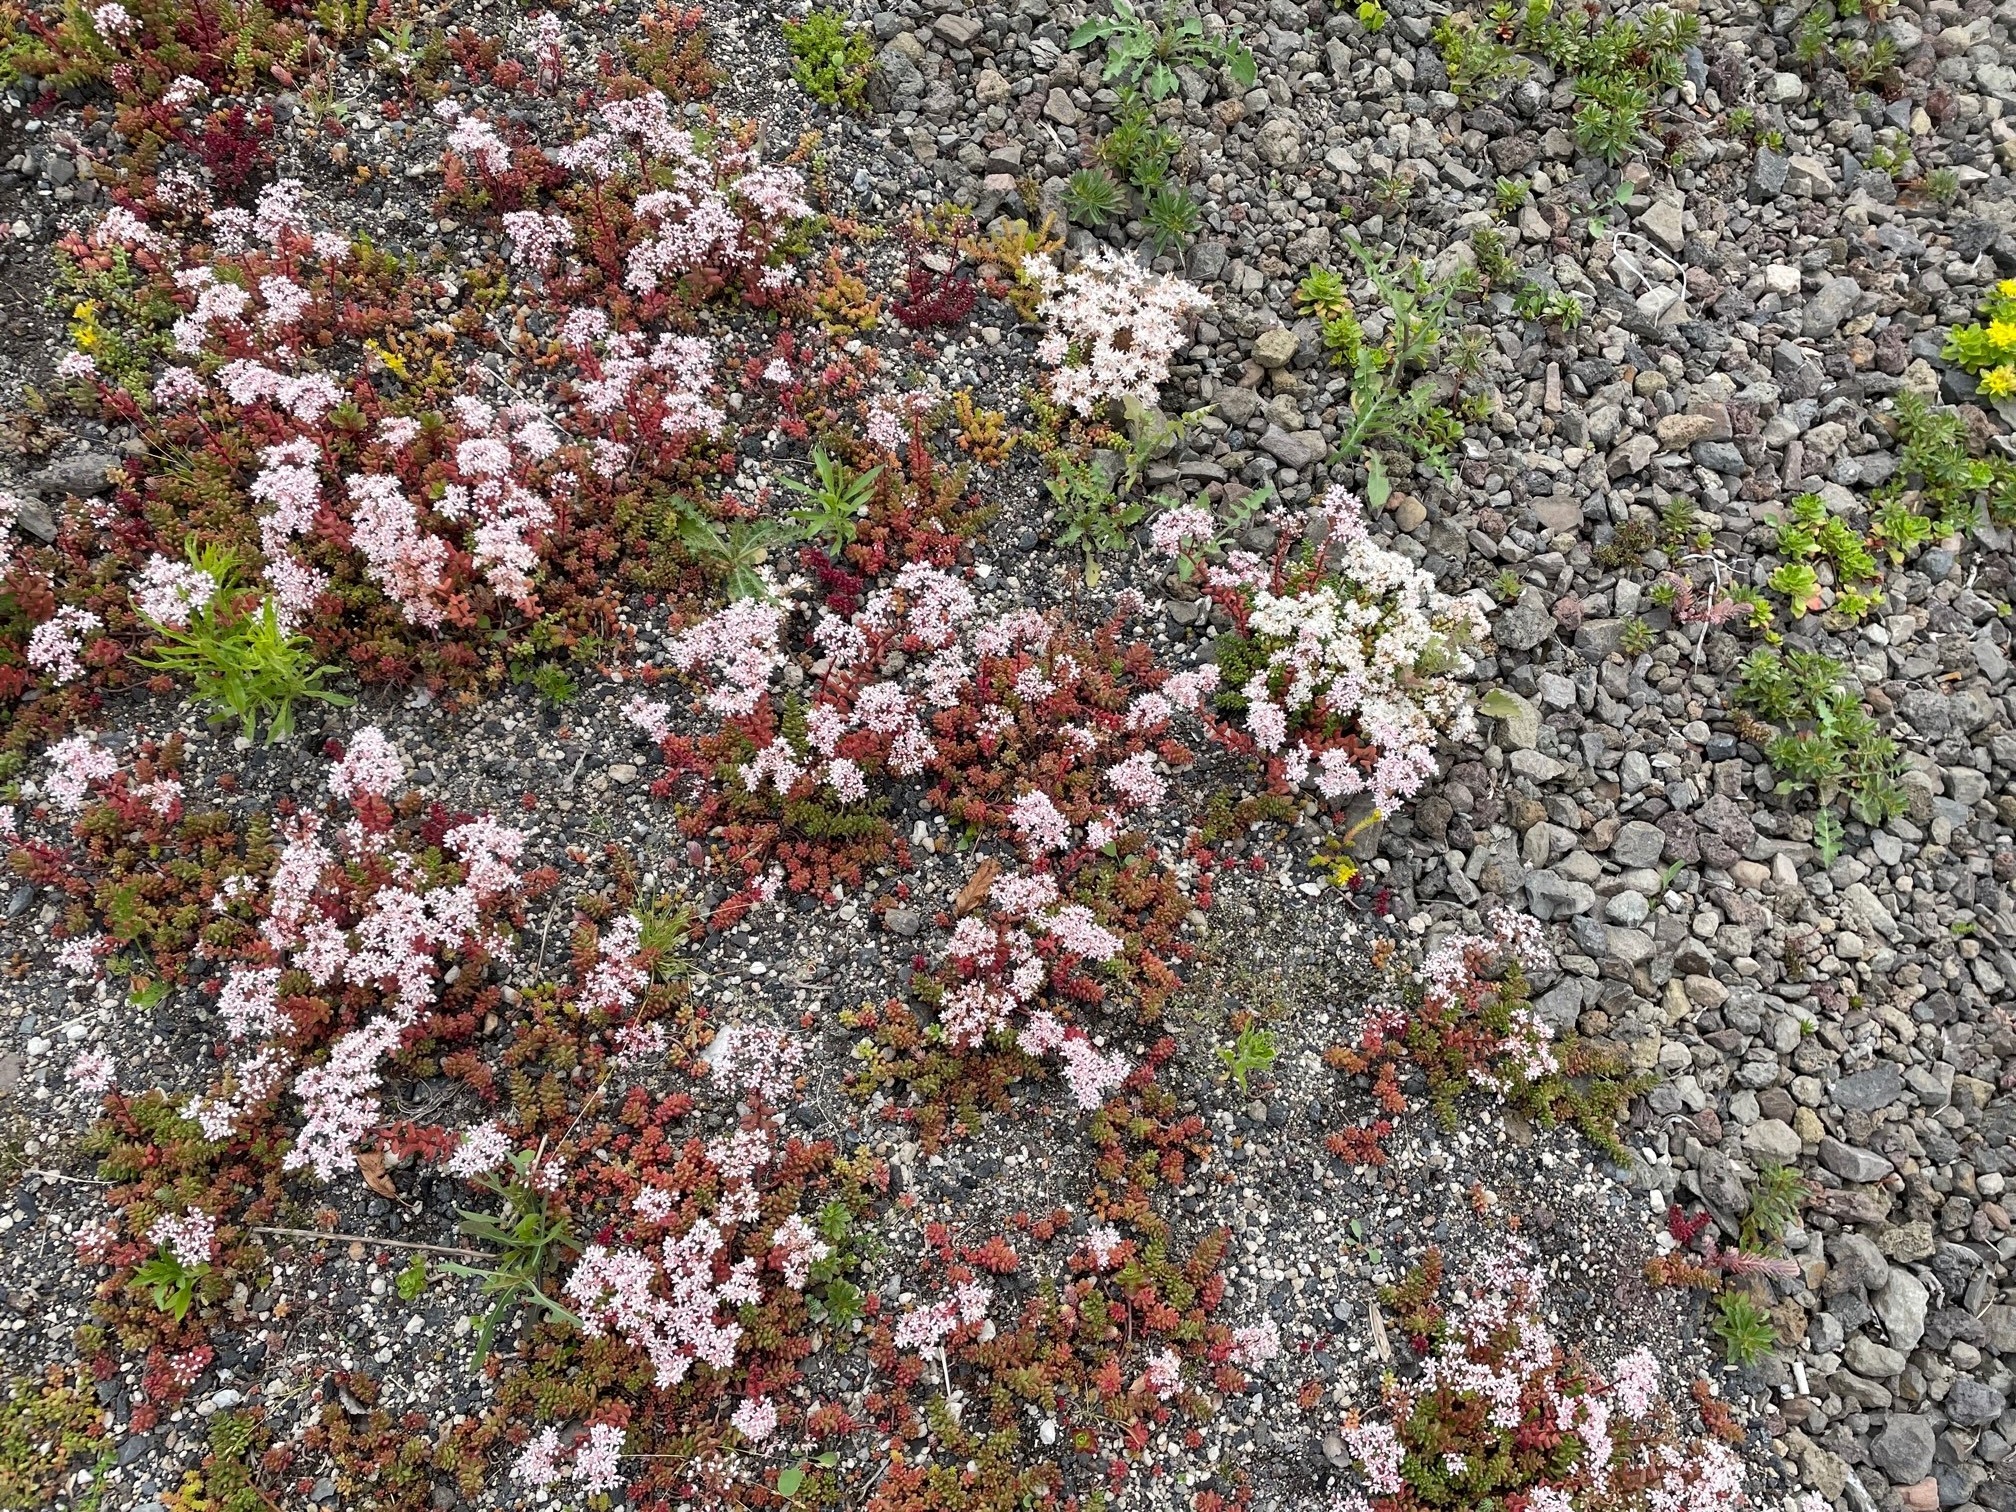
[862, 721]
[168, 592]
[710, 206]
[927, 1328]
[480, 1149]
[11, 506]
[755, 1419]
[795, 1249]
[1459, 967]
[191, 1238]
[596, 1455]
[758, 1059]
[1008, 958]
[92, 1071]
[371, 765]
[76, 762]
[392, 948]
[56, 645]
[1497, 1353]
[671, 1307]
[1255, 1344]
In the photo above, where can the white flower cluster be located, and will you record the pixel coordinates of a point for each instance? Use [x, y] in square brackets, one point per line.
[1375, 643]
[1114, 328]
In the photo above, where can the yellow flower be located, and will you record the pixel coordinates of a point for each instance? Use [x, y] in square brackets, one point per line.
[1999, 382]
[2007, 288]
[2003, 334]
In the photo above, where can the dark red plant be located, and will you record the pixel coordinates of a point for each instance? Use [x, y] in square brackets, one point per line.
[933, 298]
[236, 147]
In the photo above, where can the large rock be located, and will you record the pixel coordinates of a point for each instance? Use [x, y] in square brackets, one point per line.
[1678, 431]
[1808, 176]
[1551, 896]
[1236, 405]
[1832, 304]
[32, 518]
[1665, 221]
[1525, 625]
[1773, 1141]
[1275, 347]
[1851, 1163]
[1519, 721]
[1279, 142]
[1638, 844]
[1768, 172]
[1854, 1264]
[1901, 1305]
[1301, 449]
[1866, 1091]
[1873, 1361]
[960, 31]
[87, 476]
[1903, 1450]
[1861, 910]
[1971, 1404]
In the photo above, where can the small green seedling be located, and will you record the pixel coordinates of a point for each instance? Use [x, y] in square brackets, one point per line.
[1744, 1328]
[412, 1281]
[1252, 1051]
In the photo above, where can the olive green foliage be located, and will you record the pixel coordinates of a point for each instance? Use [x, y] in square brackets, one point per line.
[1092, 197]
[1144, 54]
[236, 656]
[737, 551]
[1809, 535]
[530, 1241]
[1945, 473]
[831, 60]
[834, 502]
[1394, 404]
[1832, 744]
[1744, 1328]
[1253, 1050]
[1619, 67]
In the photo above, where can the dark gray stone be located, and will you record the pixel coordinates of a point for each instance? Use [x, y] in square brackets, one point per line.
[1767, 175]
[1851, 1163]
[1854, 1263]
[87, 476]
[1971, 1404]
[1832, 303]
[1903, 1450]
[1525, 625]
[1718, 456]
[1866, 1091]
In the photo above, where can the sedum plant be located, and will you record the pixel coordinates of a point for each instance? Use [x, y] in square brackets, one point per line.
[831, 60]
[1831, 744]
[1505, 1414]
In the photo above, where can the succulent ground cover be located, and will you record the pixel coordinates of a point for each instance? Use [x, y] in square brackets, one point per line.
[1124, 757]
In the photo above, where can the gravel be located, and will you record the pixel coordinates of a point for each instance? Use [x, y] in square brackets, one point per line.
[1748, 326]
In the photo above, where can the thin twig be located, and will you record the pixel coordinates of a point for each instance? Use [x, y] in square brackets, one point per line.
[546, 933]
[405, 1244]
